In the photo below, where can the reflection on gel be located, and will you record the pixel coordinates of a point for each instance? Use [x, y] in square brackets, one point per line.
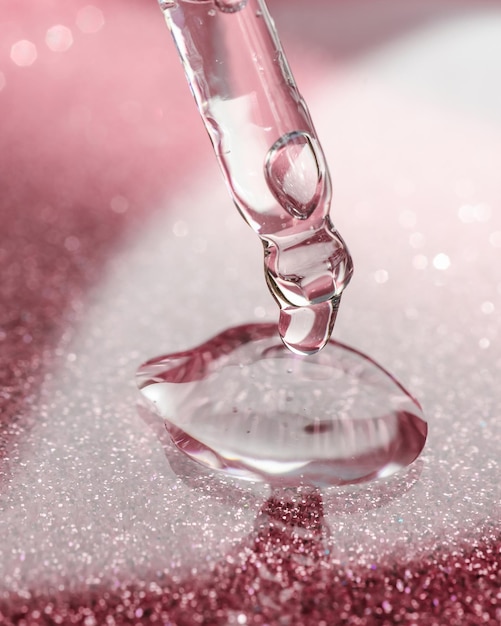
[245, 404]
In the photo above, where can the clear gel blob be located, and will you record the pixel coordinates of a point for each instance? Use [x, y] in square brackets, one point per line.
[244, 404]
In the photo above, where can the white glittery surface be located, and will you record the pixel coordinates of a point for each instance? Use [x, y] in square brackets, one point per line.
[97, 493]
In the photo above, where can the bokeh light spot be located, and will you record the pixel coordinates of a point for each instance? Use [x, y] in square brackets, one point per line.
[487, 307]
[90, 19]
[420, 262]
[441, 261]
[381, 277]
[417, 240]
[495, 239]
[469, 213]
[23, 53]
[119, 204]
[407, 219]
[59, 38]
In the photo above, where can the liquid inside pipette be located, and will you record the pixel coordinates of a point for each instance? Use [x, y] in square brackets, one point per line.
[270, 156]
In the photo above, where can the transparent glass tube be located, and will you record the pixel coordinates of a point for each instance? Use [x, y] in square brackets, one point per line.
[269, 154]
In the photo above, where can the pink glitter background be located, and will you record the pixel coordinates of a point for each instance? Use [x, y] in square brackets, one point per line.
[113, 216]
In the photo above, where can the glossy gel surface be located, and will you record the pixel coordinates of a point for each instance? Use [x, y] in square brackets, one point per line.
[243, 403]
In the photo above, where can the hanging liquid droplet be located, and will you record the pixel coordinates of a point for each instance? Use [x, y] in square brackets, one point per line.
[306, 272]
[308, 266]
[294, 174]
[245, 404]
[230, 6]
[306, 330]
